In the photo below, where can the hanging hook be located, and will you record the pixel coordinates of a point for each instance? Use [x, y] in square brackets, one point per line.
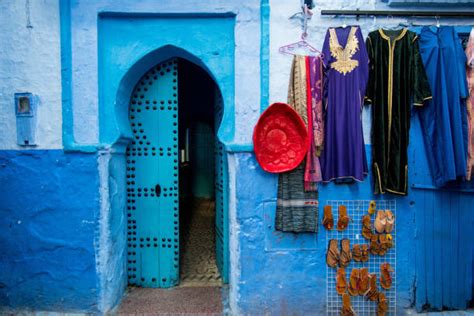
[374, 22]
[306, 16]
[344, 24]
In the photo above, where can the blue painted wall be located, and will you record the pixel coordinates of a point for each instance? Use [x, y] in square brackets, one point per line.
[49, 201]
[280, 274]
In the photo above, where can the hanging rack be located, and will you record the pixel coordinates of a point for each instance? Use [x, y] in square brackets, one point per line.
[358, 13]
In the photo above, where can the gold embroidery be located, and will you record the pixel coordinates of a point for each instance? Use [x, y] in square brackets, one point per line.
[343, 64]
[391, 53]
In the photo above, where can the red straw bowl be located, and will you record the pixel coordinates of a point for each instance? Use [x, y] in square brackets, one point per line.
[280, 139]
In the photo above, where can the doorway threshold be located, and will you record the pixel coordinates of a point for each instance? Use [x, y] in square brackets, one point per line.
[182, 300]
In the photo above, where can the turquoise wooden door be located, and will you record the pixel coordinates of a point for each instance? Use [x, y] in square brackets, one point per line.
[222, 239]
[152, 180]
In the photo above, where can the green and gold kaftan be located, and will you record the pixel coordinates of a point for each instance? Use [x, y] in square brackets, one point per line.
[397, 79]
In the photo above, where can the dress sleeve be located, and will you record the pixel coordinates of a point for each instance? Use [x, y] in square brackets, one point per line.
[369, 91]
[461, 65]
[363, 63]
[419, 79]
[326, 51]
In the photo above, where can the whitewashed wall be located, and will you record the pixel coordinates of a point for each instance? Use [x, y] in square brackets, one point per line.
[284, 31]
[30, 62]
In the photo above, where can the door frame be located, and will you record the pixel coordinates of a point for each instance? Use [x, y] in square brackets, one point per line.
[122, 62]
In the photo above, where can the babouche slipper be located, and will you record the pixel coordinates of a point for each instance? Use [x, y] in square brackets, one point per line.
[386, 276]
[367, 227]
[382, 306]
[356, 253]
[380, 222]
[347, 309]
[372, 293]
[328, 219]
[390, 218]
[363, 281]
[346, 255]
[332, 256]
[353, 288]
[343, 220]
[341, 283]
[365, 253]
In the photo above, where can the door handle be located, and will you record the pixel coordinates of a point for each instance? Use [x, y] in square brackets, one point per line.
[158, 190]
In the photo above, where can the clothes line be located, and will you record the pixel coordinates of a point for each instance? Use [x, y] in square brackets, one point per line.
[393, 13]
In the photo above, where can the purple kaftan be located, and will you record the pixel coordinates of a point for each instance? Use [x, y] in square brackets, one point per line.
[346, 71]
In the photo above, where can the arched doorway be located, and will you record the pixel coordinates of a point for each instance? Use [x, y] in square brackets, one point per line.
[176, 169]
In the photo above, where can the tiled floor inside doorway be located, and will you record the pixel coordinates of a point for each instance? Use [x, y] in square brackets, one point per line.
[200, 289]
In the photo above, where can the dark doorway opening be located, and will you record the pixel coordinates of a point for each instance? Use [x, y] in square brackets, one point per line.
[197, 95]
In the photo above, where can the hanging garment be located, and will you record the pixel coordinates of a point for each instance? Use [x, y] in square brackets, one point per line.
[346, 71]
[470, 105]
[297, 209]
[396, 78]
[444, 119]
[314, 76]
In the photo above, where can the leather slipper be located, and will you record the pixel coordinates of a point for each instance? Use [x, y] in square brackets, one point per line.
[363, 281]
[386, 276]
[328, 219]
[374, 245]
[332, 256]
[341, 283]
[356, 253]
[346, 255]
[343, 220]
[390, 221]
[367, 227]
[383, 243]
[347, 309]
[365, 253]
[372, 293]
[382, 305]
[354, 282]
[380, 222]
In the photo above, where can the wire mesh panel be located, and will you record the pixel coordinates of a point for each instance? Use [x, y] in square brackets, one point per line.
[356, 209]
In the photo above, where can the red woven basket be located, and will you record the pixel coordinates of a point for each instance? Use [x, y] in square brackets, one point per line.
[280, 139]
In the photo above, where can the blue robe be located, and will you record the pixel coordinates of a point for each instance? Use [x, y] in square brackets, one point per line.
[444, 119]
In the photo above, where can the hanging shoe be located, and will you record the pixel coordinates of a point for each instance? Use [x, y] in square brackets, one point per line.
[380, 222]
[363, 281]
[382, 305]
[372, 206]
[341, 283]
[328, 219]
[353, 288]
[356, 253]
[347, 309]
[374, 245]
[384, 245]
[332, 256]
[386, 276]
[367, 231]
[372, 293]
[346, 255]
[390, 221]
[365, 253]
[343, 220]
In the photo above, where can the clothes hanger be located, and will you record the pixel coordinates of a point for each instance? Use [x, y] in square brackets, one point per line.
[292, 49]
[437, 21]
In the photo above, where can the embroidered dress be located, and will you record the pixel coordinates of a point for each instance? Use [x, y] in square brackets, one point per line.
[297, 209]
[444, 119]
[470, 105]
[396, 78]
[346, 71]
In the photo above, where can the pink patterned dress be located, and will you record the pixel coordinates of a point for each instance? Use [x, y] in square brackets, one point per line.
[470, 105]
